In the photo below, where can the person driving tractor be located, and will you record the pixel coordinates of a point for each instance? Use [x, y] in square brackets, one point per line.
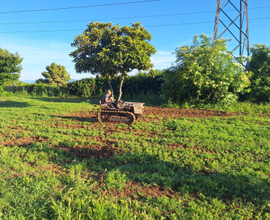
[108, 99]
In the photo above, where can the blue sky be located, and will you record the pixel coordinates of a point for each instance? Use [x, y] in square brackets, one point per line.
[40, 49]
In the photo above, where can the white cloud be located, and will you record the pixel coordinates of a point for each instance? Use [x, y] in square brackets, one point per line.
[162, 59]
[163, 53]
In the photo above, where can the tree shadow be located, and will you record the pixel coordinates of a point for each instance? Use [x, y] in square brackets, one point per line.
[92, 119]
[13, 104]
[149, 169]
[226, 186]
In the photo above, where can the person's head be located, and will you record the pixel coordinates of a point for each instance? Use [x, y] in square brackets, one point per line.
[109, 92]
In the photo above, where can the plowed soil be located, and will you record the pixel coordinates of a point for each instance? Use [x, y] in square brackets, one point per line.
[154, 113]
[23, 141]
[180, 112]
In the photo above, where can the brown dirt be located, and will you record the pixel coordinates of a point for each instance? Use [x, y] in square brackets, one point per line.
[19, 128]
[71, 126]
[135, 191]
[54, 169]
[13, 130]
[174, 146]
[196, 149]
[23, 141]
[151, 114]
[180, 112]
[144, 133]
[89, 151]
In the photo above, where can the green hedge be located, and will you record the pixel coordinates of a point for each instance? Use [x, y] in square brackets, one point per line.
[38, 89]
[140, 84]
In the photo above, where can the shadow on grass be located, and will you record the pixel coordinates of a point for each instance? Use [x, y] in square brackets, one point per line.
[13, 104]
[92, 119]
[149, 169]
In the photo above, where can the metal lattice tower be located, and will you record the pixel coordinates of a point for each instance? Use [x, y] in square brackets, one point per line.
[235, 21]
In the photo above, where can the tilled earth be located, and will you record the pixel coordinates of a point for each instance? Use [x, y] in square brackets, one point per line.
[152, 113]
[180, 112]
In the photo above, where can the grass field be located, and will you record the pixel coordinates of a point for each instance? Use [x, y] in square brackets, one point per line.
[58, 162]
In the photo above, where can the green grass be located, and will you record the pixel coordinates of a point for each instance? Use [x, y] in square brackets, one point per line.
[57, 162]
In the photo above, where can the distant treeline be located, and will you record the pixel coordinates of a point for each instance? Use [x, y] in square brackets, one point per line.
[140, 84]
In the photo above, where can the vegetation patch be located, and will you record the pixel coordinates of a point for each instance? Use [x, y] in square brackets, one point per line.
[57, 162]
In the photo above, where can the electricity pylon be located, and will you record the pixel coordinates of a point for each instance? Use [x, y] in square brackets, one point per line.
[235, 21]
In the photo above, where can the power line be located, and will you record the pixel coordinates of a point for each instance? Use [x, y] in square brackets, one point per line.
[77, 7]
[259, 18]
[189, 23]
[39, 31]
[121, 18]
[158, 25]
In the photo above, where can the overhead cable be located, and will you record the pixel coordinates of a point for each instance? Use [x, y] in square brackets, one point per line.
[117, 18]
[158, 25]
[77, 7]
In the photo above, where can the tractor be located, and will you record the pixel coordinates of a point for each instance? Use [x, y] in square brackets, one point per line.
[126, 112]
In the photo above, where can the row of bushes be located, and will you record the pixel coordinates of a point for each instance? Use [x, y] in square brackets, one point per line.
[140, 84]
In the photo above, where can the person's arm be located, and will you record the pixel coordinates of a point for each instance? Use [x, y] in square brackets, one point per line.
[107, 99]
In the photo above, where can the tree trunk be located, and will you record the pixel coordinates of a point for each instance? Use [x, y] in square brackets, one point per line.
[120, 88]
[109, 83]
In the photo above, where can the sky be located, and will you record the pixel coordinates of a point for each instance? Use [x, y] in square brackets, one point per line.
[45, 36]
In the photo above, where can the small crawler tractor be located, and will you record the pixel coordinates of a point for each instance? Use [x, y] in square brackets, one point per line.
[126, 112]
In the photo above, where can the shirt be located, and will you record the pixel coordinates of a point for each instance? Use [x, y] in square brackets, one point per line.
[105, 97]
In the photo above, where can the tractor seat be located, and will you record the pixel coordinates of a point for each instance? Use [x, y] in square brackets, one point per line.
[103, 106]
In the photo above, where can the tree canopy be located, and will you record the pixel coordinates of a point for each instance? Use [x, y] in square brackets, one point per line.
[10, 67]
[205, 73]
[260, 66]
[106, 49]
[55, 74]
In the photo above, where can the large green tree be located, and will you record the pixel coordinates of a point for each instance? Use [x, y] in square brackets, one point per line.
[10, 67]
[55, 74]
[260, 66]
[205, 73]
[106, 49]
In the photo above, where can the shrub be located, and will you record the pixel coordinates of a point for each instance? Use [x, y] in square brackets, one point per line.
[10, 68]
[82, 88]
[205, 73]
[260, 66]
